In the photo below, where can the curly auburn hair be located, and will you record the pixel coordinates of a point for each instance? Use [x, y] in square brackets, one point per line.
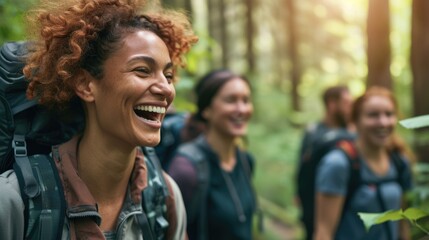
[84, 33]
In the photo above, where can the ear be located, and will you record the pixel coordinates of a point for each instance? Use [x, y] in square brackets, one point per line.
[206, 113]
[85, 87]
[332, 106]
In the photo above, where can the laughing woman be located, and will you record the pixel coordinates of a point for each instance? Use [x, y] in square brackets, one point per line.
[118, 63]
[213, 173]
[384, 175]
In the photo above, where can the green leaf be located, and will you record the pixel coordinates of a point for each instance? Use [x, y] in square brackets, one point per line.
[416, 122]
[415, 213]
[392, 215]
[370, 219]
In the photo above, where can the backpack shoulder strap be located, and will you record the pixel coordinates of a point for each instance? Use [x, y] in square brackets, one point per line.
[44, 210]
[153, 220]
[197, 207]
[349, 149]
[400, 166]
[247, 162]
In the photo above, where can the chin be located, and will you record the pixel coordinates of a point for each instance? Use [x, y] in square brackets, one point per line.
[238, 134]
[150, 142]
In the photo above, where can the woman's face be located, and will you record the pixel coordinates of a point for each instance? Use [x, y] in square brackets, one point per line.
[377, 120]
[131, 99]
[230, 109]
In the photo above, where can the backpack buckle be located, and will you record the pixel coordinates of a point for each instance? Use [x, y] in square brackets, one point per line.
[19, 145]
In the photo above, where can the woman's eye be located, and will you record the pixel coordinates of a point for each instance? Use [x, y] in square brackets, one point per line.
[169, 77]
[247, 100]
[390, 114]
[229, 99]
[142, 70]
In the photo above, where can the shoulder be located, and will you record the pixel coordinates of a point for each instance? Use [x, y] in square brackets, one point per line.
[403, 169]
[333, 173]
[194, 150]
[12, 207]
[176, 212]
[335, 159]
[189, 158]
[9, 188]
[249, 159]
[182, 169]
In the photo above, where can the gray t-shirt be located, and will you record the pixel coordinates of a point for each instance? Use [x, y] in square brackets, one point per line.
[332, 177]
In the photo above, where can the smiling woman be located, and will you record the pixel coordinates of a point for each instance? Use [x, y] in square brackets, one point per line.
[118, 63]
[373, 179]
[213, 172]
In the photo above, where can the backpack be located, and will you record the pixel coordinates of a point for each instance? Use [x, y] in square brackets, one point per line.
[196, 209]
[171, 128]
[318, 141]
[27, 133]
[310, 159]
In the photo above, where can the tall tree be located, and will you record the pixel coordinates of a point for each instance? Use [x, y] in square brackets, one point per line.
[223, 33]
[378, 50]
[420, 70]
[250, 34]
[295, 71]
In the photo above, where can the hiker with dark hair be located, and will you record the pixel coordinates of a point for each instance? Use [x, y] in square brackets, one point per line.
[318, 139]
[370, 174]
[337, 102]
[212, 171]
[117, 63]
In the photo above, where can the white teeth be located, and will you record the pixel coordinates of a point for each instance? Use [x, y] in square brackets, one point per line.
[154, 109]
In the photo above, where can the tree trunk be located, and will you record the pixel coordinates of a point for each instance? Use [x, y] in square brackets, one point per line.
[420, 70]
[250, 33]
[295, 71]
[378, 30]
[223, 33]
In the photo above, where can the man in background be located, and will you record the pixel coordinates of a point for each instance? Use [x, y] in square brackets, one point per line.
[318, 139]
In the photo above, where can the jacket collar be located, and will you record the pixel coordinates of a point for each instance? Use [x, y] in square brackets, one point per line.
[81, 205]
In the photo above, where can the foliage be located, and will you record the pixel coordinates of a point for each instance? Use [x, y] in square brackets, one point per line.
[12, 13]
[416, 122]
[410, 214]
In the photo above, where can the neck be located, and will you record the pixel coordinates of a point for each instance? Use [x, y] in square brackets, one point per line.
[224, 146]
[370, 152]
[104, 167]
[330, 122]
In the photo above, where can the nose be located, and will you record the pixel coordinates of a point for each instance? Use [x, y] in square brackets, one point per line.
[244, 106]
[386, 120]
[163, 87]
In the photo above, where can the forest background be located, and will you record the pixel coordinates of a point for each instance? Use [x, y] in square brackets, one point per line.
[291, 51]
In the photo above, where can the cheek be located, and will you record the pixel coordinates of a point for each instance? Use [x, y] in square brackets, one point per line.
[364, 123]
[250, 110]
[171, 97]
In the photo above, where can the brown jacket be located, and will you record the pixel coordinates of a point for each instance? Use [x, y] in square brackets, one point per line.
[82, 218]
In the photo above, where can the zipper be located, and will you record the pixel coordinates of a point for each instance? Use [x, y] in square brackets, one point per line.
[121, 224]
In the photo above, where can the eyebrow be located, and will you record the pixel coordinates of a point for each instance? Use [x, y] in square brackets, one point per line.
[150, 61]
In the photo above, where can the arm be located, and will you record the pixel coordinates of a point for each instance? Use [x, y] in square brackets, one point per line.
[332, 178]
[12, 207]
[328, 213]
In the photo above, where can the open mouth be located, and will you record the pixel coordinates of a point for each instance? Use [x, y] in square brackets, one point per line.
[151, 113]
